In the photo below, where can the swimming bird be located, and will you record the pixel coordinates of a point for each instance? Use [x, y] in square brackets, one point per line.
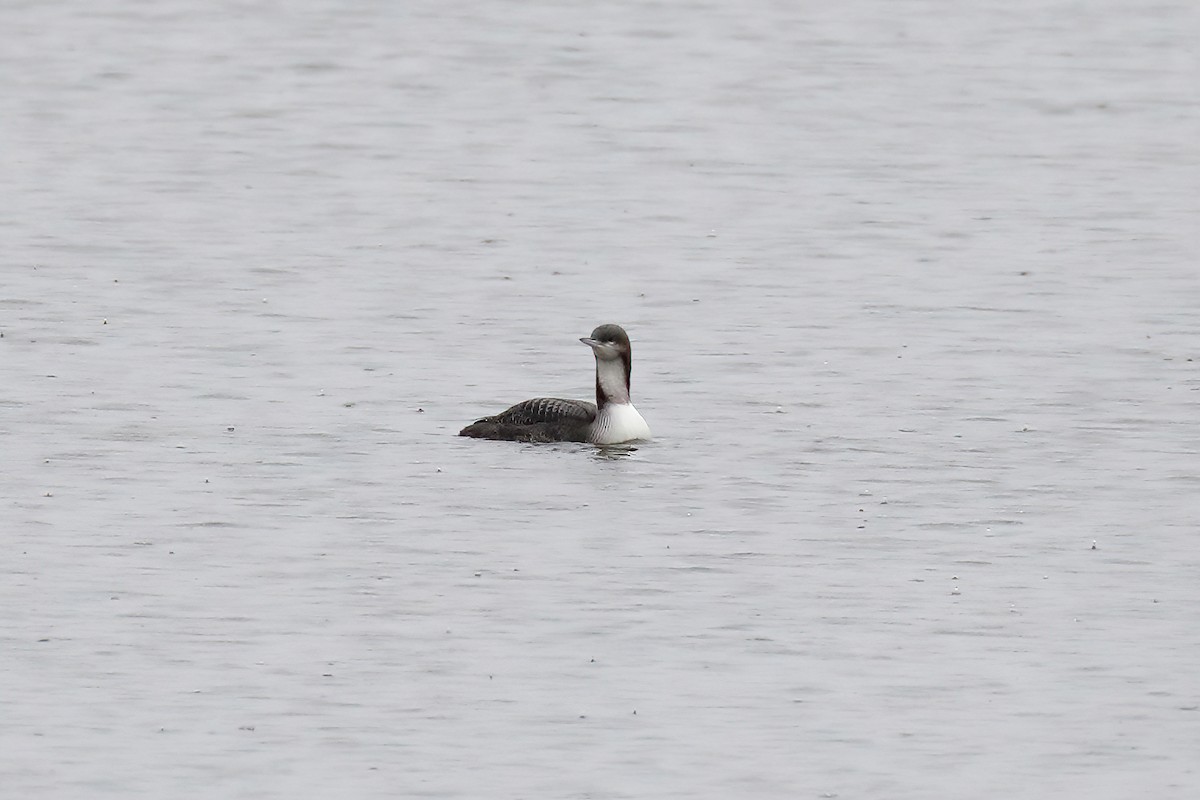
[612, 419]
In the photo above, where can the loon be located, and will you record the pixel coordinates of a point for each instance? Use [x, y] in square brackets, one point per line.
[611, 420]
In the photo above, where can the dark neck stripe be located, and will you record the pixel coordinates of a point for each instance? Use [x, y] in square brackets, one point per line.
[602, 398]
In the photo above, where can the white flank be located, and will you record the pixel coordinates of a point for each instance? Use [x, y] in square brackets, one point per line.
[619, 422]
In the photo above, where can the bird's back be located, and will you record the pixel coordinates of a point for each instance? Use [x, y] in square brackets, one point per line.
[542, 419]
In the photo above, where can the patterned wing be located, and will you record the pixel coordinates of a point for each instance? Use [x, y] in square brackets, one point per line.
[546, 410]
[543, 419]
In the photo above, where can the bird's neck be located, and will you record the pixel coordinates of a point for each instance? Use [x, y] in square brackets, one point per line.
[612, 382]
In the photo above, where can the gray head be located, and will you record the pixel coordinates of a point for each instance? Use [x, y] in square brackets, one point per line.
[610, 344]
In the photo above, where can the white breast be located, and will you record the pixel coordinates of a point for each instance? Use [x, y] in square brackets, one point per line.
[618, 422]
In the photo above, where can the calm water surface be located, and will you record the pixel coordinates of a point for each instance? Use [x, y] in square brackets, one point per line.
[913, 290]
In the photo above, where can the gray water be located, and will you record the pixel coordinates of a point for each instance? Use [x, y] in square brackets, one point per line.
[914, 294]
